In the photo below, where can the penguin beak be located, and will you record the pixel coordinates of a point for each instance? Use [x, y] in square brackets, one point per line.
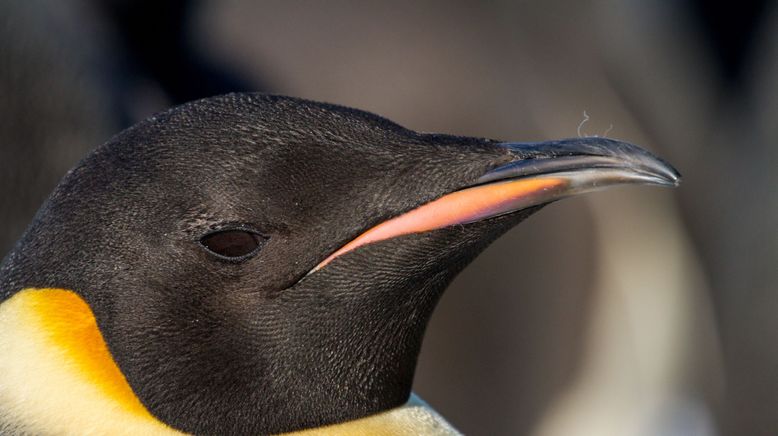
[536, 173]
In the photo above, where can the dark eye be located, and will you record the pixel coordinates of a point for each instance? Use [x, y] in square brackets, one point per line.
[233, 244]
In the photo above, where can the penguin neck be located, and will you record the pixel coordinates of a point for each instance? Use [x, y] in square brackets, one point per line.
[413, 418]
[58, 378]
[366, 352]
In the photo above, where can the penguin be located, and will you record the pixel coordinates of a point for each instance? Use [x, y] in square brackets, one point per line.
[254, 264]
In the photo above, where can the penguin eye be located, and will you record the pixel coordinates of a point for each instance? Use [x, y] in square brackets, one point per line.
[234, 244]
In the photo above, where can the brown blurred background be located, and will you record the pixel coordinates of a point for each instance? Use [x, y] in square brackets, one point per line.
[636, 311]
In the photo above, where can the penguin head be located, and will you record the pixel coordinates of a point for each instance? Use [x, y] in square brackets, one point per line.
[261, 264]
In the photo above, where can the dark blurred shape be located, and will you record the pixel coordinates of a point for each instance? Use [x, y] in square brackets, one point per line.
[154, 43]
[729, 30]
[56, 102]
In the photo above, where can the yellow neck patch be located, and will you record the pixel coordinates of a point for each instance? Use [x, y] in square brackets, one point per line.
[71, 329]
[57, 377]
[56, 374]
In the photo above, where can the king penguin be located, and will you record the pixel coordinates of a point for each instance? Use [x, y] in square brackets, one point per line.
[253, 264]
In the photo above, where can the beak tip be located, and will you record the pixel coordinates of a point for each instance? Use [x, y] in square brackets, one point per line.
[665, 173]
[670, 183]
[676, 181]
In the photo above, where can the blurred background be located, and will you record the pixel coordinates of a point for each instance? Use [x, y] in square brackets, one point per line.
[636, 311]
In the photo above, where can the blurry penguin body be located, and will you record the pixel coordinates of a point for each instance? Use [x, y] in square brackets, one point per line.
[253, 264]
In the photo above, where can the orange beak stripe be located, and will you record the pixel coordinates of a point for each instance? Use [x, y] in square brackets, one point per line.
[460, 207]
